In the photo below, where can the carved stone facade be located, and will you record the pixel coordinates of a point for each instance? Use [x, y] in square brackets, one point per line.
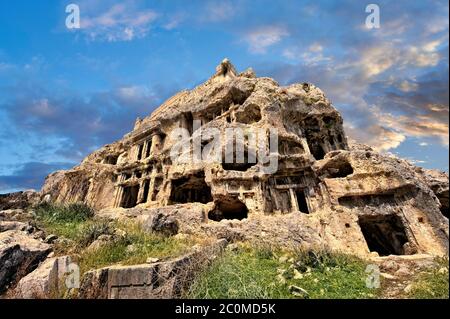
[389, 202]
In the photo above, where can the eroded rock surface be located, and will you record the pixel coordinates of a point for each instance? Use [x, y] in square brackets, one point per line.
[46, 281]
[323, 192]
[18, 200]
[159, 280]
[19, 255]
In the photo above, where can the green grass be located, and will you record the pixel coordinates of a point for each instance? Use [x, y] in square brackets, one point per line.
[63, 220]
[243, 274]
[432, 284]
[77, 223]
[252, 272]
[133, 249]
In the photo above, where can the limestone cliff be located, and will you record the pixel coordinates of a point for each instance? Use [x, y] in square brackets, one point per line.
[322, 193]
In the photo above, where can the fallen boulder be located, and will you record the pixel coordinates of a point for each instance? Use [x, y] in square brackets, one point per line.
[160, 280]
[46, 281]
[19, 255]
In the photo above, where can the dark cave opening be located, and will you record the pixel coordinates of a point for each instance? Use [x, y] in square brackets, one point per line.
[229, 208]
[302, 202]
[190, 189]
[317, 151]
[341, 170]
[130, 196]
[146, 190]
[384, 234]
[111, 159]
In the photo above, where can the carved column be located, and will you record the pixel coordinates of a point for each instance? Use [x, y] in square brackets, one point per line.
[144, 150]
[294, 202]
[118, 197]
[156, 141]
[305, 145]
[140, 197]
[152, 185]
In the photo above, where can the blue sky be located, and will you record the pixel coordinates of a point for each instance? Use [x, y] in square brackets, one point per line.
[64, 93]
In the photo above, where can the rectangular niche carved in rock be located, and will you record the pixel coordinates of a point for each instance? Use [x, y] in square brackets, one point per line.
[301, 201]
[130, 196]
[384, 234]
[139, 153]
[111, 159]
[191, 189]
[146, 190]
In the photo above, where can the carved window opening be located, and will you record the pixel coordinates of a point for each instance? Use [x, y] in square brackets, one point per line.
[111, 159]
[130, 196]
[188, 122]
[317, 151]
[191, 189]
[149, 147]
[228, 208]
[340, 170]
[384, 234]
[140, 149]
[146, 190]
[443, 200]
[302, 201]
[248, 161]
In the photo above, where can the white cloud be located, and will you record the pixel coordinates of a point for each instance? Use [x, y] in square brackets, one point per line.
[132, 91]
[421, 126]
[407, 86]
[260, 39]
[120, 22]
[219, 11]
[378, 59]
[375, 135]
[315, 47]
[174, 21]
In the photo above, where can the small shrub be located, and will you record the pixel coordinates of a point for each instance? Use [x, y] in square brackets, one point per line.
[62, 220]
[90, 231]
[75, 212]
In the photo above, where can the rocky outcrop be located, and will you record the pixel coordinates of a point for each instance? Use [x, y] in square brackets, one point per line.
[46, 281]
[17, 215]
[19, 255]
[13, 225]
[296, 180]
[159, 280]
[19, 200]
[438, 182]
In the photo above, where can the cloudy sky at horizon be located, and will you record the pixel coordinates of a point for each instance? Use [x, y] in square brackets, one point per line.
[64, 93]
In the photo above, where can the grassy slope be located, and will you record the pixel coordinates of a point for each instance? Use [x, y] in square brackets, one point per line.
[76, 224]
[246, 272]
[260, 273]
[431, 284]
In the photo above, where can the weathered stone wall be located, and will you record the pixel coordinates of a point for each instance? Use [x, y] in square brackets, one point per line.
[354, 200]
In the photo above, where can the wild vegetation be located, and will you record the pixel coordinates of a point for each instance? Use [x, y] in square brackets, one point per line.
[432, 283]
[123, 243]
[262, 272]
[242, 271]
